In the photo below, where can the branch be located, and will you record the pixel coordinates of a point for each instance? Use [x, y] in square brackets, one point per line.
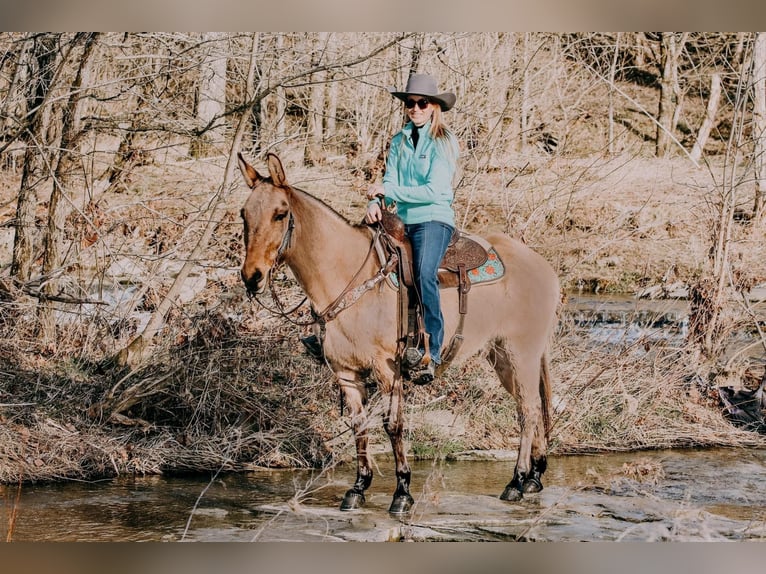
[286, 82]
[641, 108]
[11, 291]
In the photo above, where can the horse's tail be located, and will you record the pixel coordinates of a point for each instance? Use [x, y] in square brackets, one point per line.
[545, 392]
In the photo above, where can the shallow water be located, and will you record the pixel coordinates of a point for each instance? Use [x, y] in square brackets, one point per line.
[683, 495]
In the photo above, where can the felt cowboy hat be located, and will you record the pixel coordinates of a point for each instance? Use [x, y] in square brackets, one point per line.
[425, 85]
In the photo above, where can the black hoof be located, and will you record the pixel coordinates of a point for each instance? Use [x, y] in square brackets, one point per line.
[352, 500]
[511, 494]
[532, 485]
[401, 504]
[423, 375]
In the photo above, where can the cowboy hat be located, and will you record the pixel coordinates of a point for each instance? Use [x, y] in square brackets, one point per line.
[425, 85]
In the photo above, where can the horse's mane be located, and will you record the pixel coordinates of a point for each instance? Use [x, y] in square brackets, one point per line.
[307, 196]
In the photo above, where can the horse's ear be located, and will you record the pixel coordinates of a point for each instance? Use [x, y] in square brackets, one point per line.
[248, 171]
[277, 171]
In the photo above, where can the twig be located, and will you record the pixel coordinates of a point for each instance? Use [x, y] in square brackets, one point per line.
[201, 494]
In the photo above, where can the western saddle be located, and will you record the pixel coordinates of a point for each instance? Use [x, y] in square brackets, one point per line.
[464, 253]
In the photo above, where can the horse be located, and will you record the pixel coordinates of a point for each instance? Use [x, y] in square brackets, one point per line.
[512, 318]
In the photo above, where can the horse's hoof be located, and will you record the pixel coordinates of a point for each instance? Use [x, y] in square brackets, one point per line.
[352, 500]
[511, 494]
[532, 485]
[401, 504]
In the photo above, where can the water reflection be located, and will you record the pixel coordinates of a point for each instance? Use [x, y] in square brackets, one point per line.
[694, 495]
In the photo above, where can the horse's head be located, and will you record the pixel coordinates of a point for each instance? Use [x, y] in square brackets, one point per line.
[267, 220]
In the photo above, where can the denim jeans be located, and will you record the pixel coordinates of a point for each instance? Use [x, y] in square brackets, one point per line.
[429, 243]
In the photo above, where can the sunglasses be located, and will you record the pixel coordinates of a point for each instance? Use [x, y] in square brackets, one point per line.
[421, 103]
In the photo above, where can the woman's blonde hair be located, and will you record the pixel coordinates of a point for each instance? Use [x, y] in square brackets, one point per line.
[438, 128]
[441, 134]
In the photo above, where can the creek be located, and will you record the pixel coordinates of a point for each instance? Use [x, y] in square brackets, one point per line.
[677, 495]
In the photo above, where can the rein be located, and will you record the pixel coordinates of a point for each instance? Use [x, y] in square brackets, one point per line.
[350, 294]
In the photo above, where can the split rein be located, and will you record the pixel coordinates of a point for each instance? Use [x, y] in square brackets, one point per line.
[350, 294]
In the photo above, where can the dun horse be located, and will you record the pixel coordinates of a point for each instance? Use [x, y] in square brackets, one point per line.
[512, 318]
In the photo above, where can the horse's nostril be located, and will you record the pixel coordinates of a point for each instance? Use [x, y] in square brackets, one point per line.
[253, 281]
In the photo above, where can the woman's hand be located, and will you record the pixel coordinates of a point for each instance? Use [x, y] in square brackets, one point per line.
[373, 212]
[376, 190]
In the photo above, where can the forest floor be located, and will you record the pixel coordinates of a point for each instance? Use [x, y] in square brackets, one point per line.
[229, 387]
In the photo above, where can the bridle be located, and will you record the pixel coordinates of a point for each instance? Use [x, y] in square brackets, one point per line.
[280, 308]
[347, 297]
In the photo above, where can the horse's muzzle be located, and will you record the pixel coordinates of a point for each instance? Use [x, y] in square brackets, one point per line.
[254, 282]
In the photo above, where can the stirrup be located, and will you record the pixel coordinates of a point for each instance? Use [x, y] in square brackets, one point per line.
[411, 357]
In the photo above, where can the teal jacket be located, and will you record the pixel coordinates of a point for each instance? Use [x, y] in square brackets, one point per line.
[420, 182]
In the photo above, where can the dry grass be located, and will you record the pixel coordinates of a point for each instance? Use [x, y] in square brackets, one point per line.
[230, 388]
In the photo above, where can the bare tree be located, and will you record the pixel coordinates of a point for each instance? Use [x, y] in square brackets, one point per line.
[612, 78]
[709, 120]
[274, 106]
[134, 353]
[39, 138]
[211, 95]
[712, 295]
[13, 105]
[759, 122]
[64, 181]
[313, 152]
[671, 47]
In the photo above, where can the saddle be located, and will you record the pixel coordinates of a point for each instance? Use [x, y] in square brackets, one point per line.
[464, 253]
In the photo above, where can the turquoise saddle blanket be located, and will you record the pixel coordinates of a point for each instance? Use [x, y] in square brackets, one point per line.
[492, 270]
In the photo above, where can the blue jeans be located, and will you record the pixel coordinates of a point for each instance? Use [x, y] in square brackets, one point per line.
[429, 243]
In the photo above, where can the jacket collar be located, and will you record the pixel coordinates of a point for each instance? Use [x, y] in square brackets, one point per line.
[424, 130]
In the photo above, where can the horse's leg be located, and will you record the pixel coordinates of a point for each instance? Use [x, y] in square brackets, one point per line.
[520, 375]
[354, 398]
[538, 454]
[393, 422]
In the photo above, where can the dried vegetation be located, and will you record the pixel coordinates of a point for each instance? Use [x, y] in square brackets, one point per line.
[228, 386]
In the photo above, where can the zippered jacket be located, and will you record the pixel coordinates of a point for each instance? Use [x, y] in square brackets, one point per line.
[420, 181]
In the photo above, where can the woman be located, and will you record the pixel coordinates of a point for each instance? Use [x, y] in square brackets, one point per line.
[420, 168]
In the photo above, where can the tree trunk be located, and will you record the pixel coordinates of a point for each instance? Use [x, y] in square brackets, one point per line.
[13, 106]
[280, 117]
[414, 45]
[707, 123]
[759, 122]
[313, 153]
[524, 103]
[670, 50]
[37, 155]
[256, 113]
[332, 109]
[739, 50]
[64, 182]
[211, 97]
[612, 75]
[641, 50]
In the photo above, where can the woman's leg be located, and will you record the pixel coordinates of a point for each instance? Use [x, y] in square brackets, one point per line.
[429, 243]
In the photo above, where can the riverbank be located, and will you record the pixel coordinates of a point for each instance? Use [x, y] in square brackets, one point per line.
[238, 398]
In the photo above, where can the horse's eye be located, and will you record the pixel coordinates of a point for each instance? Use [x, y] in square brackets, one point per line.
[280, 216]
